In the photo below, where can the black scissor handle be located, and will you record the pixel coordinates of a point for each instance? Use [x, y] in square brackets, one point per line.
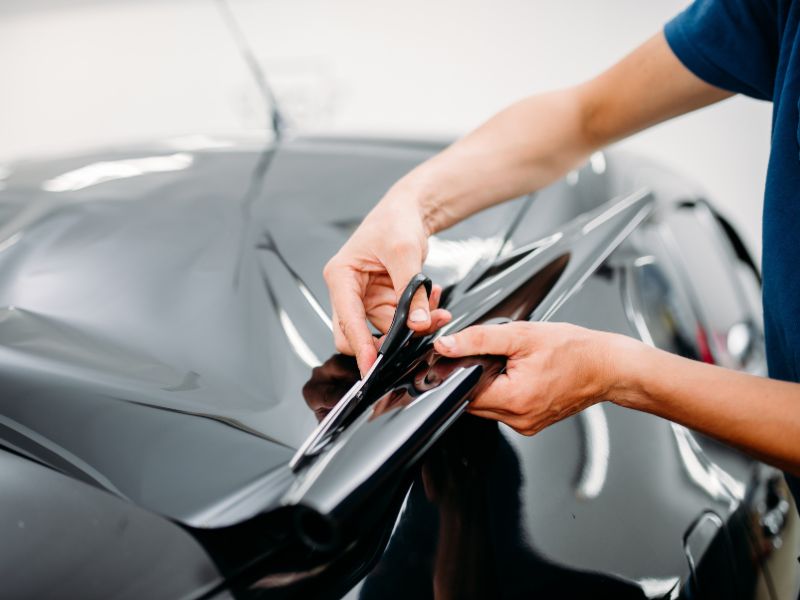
[399, 332]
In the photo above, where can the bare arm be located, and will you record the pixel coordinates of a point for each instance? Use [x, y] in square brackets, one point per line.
[555, 370]
[758, 415]
[537, 140]
[523, 148]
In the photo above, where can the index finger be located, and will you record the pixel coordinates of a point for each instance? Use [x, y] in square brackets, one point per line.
[348, 309]
[503, 340]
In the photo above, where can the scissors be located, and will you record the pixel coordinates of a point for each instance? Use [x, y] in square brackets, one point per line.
[397, 337]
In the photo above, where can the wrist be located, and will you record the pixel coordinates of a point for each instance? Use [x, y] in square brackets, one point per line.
[427, 200]
[627, 369]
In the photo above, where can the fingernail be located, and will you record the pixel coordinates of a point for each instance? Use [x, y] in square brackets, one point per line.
[447, 341]
[419, 316]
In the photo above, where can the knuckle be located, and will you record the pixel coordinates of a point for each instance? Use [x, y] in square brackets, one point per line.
[344, 327]
[516, 406]
[517, 426]
[476, 337]
[329, 271]
[404, 248]
[519, 327]
[524, 426]
[343, 347]
[520, 339]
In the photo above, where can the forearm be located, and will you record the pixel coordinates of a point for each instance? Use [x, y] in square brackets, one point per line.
[537, 140]
[758, 415]
[525, 147]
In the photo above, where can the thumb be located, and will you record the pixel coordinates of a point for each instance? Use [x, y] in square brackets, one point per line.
[501, 340]
[401, 270]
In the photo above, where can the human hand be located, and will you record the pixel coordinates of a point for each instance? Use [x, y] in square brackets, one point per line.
[553, 370]
[368, 274]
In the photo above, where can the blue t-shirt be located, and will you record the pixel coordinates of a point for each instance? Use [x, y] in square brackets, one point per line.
[752, 47]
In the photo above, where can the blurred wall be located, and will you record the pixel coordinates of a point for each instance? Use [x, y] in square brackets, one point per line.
[78, 75]
[90, 73]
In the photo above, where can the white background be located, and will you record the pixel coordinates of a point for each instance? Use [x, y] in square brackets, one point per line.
[82, 74]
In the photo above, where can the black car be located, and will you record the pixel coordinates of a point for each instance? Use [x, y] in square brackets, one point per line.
[166, 347]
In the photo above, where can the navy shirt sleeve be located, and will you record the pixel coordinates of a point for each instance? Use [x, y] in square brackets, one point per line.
[731, 44]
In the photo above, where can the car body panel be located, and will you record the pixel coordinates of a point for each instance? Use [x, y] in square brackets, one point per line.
[164, 314]
[65, 539]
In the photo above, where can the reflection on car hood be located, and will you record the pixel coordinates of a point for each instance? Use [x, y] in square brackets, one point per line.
[165, 335]
[160, 313]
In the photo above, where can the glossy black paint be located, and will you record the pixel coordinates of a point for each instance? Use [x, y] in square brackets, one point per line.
[64, 539]
[163, 336]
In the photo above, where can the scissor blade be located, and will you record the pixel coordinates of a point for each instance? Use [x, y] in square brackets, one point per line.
[331, 421]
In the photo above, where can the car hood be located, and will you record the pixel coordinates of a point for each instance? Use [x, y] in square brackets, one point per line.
[165, 336]
[162, 311]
